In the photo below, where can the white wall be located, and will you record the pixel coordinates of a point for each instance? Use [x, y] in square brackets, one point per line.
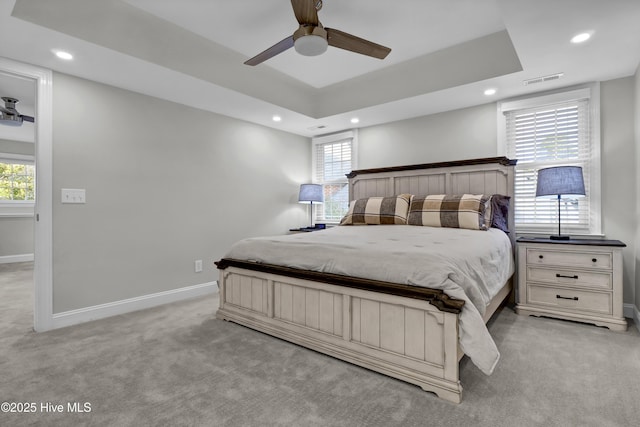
[472, 133]
[165, 185]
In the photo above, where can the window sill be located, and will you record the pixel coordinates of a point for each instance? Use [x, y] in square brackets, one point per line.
[16, 215]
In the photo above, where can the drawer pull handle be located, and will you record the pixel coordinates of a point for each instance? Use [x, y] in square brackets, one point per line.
[566, 277]
[540, 256]
[594, 259]
[571, 298]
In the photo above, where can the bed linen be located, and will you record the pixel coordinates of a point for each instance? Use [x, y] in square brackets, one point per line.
[470, 265]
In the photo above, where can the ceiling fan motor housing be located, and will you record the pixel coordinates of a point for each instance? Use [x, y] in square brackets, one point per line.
[312, 39]
[9, 116]
[9, 102]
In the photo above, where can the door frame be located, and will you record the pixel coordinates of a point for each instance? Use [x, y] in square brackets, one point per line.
[43, 212]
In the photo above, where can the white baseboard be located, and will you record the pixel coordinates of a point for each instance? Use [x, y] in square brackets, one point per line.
[73, 317]
[7, 259]
[631, 311]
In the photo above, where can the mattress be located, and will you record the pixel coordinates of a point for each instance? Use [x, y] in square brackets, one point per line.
[469, 265]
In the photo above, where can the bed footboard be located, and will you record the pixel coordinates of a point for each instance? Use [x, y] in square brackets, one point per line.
[403, 337]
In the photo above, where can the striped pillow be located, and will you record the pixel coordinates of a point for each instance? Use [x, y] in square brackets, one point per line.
[466, 211]
[378, 210]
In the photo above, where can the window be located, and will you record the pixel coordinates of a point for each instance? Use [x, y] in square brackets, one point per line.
[554, 130]
[17, 179]
[333, 158]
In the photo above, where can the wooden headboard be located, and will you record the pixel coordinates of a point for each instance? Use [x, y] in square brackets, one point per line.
[493, 175]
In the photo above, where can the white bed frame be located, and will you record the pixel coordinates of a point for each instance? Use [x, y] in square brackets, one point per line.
[407, 336]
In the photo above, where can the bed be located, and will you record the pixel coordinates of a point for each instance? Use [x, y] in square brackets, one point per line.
[382, 315]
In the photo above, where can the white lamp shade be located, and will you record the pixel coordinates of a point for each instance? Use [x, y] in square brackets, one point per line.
[310, 193]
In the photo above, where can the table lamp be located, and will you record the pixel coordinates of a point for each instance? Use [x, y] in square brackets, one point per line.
[559, 180]
[310, 194]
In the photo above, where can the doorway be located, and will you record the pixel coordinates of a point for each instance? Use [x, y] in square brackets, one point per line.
[42, 218]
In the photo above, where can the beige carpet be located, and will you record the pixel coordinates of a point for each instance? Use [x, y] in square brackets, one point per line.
[177, 365]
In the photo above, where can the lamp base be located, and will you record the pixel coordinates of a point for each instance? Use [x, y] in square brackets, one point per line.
[560, 237]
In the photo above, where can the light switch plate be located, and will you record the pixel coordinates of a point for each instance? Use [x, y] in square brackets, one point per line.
[73, 195]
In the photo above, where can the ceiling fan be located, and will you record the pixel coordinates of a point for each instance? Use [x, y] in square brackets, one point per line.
[10, 116]
[312, 39]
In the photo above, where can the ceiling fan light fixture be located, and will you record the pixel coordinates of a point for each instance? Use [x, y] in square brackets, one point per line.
[10, 121]
[311, 45]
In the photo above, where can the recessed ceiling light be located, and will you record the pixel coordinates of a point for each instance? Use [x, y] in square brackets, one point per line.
[582, 37]
[355, 120]
[489, 92]
[276, 118]
[63, 55]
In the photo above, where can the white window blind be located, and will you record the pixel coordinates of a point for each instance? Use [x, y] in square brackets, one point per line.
[332, 160]
[557, 134]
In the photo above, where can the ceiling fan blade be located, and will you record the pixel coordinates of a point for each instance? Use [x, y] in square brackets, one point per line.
[306, 11]
[274, 50]
[27, 118]
[342, 40]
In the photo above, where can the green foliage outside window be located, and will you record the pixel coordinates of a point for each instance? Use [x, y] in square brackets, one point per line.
[17, 181]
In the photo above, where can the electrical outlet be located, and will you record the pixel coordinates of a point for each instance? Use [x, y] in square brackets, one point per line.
[198, 265]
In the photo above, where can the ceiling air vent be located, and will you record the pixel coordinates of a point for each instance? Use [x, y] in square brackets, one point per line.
[543, 79]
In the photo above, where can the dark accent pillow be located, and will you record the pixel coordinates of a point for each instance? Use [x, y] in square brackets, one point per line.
[500, 212]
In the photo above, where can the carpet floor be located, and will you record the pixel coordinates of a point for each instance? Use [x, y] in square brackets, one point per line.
[176, 365]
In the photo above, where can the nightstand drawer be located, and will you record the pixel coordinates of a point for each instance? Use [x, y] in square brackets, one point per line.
[563, 298]
[599, 260]
[583, 279]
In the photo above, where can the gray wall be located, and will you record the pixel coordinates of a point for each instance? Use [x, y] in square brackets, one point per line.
[17, 147]
[17, 236]
[168, 184]
[637, 140]
[619, 174]
[460, 134]
[472, 133]
[165, 185]
[16, 232]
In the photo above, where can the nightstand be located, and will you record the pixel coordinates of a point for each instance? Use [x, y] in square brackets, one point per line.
[308, 229]
[574, 279]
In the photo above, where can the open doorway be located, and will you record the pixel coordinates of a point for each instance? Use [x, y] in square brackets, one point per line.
[40, 82]
[17, 201]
